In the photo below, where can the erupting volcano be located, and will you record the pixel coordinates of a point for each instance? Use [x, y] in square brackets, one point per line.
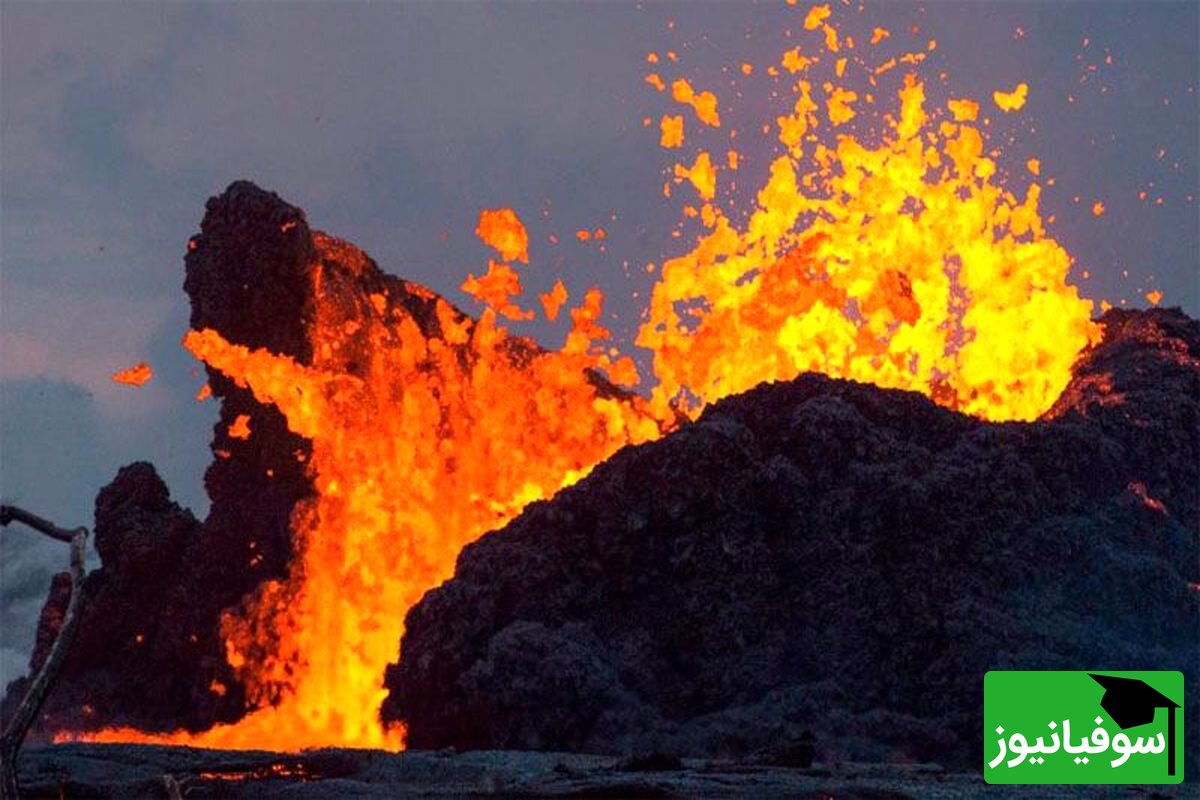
[371, 430]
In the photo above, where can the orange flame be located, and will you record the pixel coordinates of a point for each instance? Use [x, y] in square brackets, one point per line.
[137, 375]
[503, 230]
[903, 264]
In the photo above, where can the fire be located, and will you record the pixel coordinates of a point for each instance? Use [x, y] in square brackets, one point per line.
[1011, 101]
[433, 441]
[240, 429]
[896, 257]
[137, 375]
[903, 264]
[503, 230]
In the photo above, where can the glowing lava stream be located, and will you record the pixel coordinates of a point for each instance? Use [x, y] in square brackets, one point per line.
[893, 258]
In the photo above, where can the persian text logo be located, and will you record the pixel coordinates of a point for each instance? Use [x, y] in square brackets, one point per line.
[1083, 727]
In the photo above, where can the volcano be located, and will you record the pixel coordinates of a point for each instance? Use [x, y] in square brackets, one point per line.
[814, 560]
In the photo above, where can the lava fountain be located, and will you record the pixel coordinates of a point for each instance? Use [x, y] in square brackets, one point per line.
[884, 246]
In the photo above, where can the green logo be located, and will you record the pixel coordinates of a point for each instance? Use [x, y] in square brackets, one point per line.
[1083, 727]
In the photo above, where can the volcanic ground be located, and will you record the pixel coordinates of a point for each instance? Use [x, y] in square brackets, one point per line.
[814, 566]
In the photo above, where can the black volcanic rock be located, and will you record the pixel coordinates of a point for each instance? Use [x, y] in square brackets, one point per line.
[127, 771]
[140, 533]
[149, 652]
[829, 557]
[249, 277]
[146, 652]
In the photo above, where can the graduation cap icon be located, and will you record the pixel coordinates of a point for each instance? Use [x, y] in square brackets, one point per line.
[1132, 702]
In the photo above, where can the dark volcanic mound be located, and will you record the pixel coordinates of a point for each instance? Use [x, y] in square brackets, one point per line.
[825, 556]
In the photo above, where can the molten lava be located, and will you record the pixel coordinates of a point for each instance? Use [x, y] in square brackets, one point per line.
[904, 265]
[137, 375]
[893, 256]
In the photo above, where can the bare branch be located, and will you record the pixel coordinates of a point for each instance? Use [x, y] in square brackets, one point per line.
[10, 514]
[39, 689]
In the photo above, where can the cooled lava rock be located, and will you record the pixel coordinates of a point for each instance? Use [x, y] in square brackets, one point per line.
[829, 557]
[146, 650]
[149, 651]
[128, 771]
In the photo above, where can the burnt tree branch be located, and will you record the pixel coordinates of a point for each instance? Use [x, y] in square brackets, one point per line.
[39, 689]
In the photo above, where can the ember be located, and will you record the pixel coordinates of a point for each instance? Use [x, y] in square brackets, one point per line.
[137, 375]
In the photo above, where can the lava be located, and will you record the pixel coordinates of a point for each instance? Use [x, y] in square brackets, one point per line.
[893, 254]
[137, 375]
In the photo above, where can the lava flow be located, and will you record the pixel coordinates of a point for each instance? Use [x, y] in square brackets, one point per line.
[892, 255]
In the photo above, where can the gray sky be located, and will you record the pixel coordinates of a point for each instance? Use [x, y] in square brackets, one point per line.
[392, 124]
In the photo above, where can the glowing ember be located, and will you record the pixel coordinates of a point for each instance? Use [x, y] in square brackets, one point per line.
[137, 375]
[1011, 101]
[502, 229]
[672, 131]
[704, 103]
[891, 255]
[240, 429]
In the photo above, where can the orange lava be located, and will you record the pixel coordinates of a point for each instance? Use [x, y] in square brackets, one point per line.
[503, 230]
[240, 429]
[1011, 101]
[671, 127]
[137, 375]
[892, 254]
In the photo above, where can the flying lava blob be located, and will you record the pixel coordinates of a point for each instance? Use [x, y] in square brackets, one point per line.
[137, 375]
